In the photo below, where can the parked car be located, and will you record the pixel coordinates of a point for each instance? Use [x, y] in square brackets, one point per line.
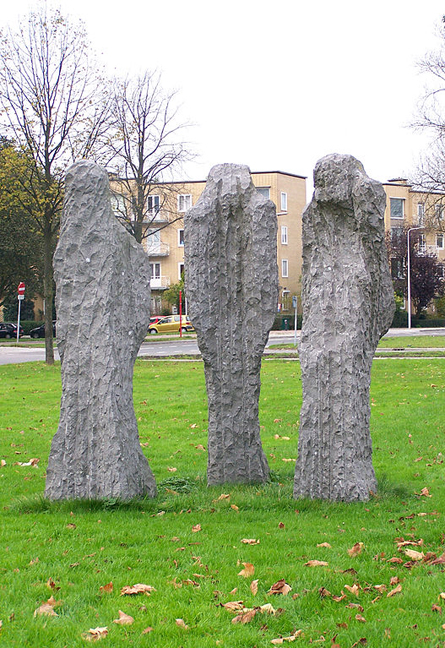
[155, 318]
[39, 331]
[170, 324]
[9, 330]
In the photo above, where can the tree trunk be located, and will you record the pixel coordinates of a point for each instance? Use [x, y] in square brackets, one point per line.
[48, 293]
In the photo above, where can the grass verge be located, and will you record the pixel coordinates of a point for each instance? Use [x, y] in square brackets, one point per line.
[187, 543]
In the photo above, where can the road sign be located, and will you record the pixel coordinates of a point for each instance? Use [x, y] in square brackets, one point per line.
[294, 302]
[20, 297]
[21, 288]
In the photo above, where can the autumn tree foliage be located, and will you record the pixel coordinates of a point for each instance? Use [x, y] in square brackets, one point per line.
[20, 244]
[53, 104]
[145, 148]
[427, 273]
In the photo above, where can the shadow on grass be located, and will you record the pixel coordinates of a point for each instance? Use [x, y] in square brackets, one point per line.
[179, 494]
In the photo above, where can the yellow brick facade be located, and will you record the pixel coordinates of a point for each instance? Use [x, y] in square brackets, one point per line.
[166, 249]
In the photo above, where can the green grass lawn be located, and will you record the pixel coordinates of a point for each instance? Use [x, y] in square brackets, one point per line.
[70, 550]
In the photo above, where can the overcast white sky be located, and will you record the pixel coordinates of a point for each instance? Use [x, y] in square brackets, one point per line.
[275, 85]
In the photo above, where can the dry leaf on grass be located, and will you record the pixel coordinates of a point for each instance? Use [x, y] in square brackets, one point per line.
[316, 563]
[436, 608]
[360, 618]
[425, 492]
[245, 616]
[250, 541]
[233, 606]
[380, 588]
[324, 592]
[394, 591]
[356, 549]
[414, 555]
[181, 624]
[47, 608]
[2, 465]
[51, 584]
[354, 589]
[147, 630]
[234, 507]
[171, 469]
[139, 588]
[196, 528]
[326, 545]
[106, 588]
[281, 640]
[223, 496]
[254, 587]
[280, 587]
[95, 634]
[124, 619]
[248, 570]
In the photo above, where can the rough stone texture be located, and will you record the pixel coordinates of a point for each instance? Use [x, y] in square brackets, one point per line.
[103, 299]
[348, 304]
[232, 287]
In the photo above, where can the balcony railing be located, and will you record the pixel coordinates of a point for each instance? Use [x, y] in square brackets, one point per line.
[160, 282]
[157, 248]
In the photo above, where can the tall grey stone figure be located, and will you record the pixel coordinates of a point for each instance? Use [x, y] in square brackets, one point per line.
[348, 304]
[232, 288]
[103, 298]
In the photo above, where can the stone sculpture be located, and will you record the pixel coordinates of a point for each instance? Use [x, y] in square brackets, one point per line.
[232, 288]
[103, 298]
[348, 304]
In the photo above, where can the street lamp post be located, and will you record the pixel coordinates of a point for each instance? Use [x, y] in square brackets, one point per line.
[408, 272]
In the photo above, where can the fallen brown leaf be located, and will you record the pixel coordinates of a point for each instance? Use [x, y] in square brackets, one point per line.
[139, 588]
[337, 599]
[436, 608]
[51, 584]
[281, 640]
[280, 587]
[254, 587]
[325, 544]
[233, 606]
[245, 616]
[425, 492]
[234, 507]
[355, 606]
[106, 588]
[360, 618]
[394, 591]
[324, 592]
[196, 528]
[95, 634]
[354, 589]
[2, 465]
[248, 570]
[171, 469]
[380, 588]
[124, 619]
[46, 609]
[356, 549]
[414, 555]
[250, 541]
[316, 563]
[147, 630]
[181, 624]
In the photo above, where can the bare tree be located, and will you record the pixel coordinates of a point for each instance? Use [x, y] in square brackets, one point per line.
[54, 105]
[146, 147]
[430, 175]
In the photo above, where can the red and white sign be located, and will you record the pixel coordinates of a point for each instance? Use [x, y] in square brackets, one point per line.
[21, 288]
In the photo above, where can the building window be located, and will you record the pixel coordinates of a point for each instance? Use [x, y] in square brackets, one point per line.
[420, 213]
[439, 241]
[181, 238]
[422, 243]
[155, 270]
[397, 207]
[264, 191]
[283, 201]
[283, 235]
[153, 206]
[153, 241]
[181, 270]
[184, 202]
[118, 205]
[284, 268]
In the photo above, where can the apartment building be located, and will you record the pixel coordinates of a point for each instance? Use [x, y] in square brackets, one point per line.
[408, 207]
[165, 228]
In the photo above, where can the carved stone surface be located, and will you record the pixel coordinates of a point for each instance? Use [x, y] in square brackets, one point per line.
[232, 288]
[103, 298]
[348, 304]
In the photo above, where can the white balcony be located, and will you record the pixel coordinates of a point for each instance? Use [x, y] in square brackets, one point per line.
[156, 248]
[159, 283]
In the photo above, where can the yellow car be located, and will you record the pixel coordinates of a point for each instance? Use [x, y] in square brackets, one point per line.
[171, 324]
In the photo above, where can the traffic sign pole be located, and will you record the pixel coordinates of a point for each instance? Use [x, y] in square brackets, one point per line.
[20, 297]
[295, 305]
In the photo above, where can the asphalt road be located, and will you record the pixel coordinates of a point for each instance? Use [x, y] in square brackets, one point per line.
[176, 346]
